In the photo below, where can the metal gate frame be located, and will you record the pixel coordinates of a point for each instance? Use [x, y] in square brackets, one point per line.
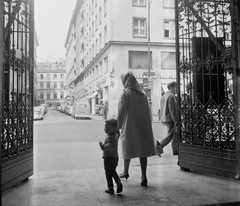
[16, 75]
[208, 130]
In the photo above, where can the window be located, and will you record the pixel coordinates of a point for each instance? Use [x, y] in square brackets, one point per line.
[100, 69]
[106, 64]
[100, 15]
[55, 85]
[168, 60]
[48, 76]
[62, 75]
[139, 27]
[90, 32]
[55, 76]
[96, 46]
[41, 85]
[48, 85]
[92, 28]
[168, 3]
[62, 85]
[96, 23]
[48, 95]
[139, 59]
[139, 2]
[97, 72]
[169, 28]
[62, 95]
[89, 13]
[55, 95]
[100, 41]
[41, 96]
[41, 76]
[105, 35]
[105, 7]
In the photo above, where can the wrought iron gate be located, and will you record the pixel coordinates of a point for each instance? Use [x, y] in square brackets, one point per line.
[17, 90]
[208, 34]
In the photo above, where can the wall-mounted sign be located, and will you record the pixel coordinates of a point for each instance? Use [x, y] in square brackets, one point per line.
[102, 81]
[157, 76]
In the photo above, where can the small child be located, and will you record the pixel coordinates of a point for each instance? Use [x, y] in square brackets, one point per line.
[110, 155]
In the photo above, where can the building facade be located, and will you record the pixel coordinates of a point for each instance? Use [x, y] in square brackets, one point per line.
[111, 38]
[51, 83]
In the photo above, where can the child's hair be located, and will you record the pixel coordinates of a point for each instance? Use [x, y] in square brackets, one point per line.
[112, 122]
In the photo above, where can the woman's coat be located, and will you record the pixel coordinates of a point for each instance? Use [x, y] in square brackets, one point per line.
[134, 120]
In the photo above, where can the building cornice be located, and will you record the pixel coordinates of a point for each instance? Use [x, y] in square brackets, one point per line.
[112, 43]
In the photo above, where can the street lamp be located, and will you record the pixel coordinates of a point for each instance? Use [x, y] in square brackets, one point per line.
[149, 63]
[148, 82]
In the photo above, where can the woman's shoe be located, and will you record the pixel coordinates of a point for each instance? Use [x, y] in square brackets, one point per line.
[144, 183]
[126, 176]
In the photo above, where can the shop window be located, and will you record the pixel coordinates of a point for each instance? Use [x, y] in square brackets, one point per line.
[139, 59]
[168, 60]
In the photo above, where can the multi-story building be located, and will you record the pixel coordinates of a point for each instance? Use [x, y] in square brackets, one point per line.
[111, 38]
[51, 83]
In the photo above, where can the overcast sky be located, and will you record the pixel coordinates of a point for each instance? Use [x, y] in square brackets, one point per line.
[52, 19]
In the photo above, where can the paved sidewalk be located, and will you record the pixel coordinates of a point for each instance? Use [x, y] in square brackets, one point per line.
[168, 186]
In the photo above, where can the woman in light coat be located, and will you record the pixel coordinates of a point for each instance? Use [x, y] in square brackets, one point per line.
[134, 120]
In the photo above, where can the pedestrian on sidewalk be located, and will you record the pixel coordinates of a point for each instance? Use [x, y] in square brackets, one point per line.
[168, 117]
[110, 155]
[134, 121]
[105, 109]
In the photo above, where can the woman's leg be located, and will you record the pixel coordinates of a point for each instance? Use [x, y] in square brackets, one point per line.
[126, 166]
[143, 162]
[125, 170]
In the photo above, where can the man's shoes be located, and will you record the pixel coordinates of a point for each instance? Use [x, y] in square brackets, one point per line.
[110, 191]
[119, 187]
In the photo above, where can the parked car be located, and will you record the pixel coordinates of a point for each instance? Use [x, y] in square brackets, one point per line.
[70, 110]
[38, 113]
[45, 108]
[81, 110]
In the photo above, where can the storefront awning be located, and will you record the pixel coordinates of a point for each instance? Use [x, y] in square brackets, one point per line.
[92, 95]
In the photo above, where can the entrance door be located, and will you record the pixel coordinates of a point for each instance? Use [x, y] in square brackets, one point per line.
[207, 38]
[17, 71]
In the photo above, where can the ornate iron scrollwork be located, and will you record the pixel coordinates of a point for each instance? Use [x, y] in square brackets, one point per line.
[17, 130]
[207, 106]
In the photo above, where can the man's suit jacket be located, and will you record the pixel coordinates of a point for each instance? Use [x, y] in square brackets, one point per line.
[168, 111]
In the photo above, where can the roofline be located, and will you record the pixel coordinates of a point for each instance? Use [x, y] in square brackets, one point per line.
[78, 5]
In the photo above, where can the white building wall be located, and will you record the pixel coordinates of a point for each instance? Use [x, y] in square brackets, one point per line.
[120, 40]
